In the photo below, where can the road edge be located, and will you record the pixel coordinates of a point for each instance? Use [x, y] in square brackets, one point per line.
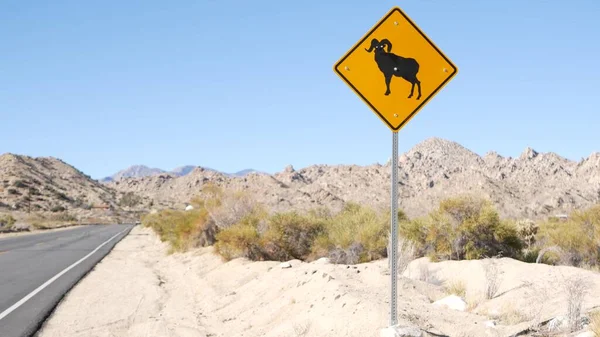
[50, 313]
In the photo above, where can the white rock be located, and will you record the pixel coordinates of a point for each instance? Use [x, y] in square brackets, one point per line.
[323, 260]
[490, 324]
[452, 302]
[557, 323]
[189, 207]
[285, 265]
[397, 331]
[586, 334]
[494, 312]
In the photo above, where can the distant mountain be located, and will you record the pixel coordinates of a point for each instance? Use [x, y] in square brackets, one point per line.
[140, 171]
[243, 172]
[183, 170]
[135, 171]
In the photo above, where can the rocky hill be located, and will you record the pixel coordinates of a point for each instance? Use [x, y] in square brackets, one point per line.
[531, 185]
[47, 184]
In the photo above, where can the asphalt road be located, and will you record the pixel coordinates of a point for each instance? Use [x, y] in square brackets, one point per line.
[37, 270]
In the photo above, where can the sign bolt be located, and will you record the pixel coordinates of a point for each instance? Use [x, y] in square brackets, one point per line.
[396, 115]
[346, 67]
[395, 23]
[445, 70]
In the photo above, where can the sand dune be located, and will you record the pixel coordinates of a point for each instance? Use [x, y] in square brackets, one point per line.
[139, 291]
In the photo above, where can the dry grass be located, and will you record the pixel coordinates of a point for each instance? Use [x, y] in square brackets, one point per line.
[511, 315]
[424, 272]
[576, 289]
[406, 253]
[473, 302]
[595, 323]
[492, 278]
[301, 329]
[538, 297]
[456, 287]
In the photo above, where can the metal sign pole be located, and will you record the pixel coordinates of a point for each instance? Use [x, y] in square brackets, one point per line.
[394, 240]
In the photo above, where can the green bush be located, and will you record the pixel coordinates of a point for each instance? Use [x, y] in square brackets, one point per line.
[181, 229]
[356, 234]
[240, 240]
[577, 238]
[463, 228]
[291, 235]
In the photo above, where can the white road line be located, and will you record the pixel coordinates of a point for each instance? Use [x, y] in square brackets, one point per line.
[47, 283]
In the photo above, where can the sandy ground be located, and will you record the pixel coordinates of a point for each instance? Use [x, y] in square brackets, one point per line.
[137, 290]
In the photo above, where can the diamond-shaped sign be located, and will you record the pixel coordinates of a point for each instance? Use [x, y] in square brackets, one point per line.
[395, 69]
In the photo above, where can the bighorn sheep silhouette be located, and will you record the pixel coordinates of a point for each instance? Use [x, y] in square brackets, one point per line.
[394, 65]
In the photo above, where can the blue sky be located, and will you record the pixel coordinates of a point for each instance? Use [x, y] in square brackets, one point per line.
[237, 84]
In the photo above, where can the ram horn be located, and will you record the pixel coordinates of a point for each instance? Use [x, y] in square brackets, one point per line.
[386, 42]
[374, 42]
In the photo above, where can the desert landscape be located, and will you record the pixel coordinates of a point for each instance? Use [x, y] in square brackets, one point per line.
[304, 252]
[314, 169]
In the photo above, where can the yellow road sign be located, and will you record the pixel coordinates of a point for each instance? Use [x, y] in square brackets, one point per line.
[395, 69]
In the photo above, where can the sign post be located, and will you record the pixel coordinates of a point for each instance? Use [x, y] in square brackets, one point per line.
[393, 258]
[395, 69]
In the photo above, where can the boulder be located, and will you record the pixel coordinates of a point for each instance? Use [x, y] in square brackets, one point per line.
[452, 302]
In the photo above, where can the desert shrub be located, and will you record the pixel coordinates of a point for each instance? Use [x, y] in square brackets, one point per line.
[575, 289]
[129, 199]
[527, 230]
[279, 237]
[226, 208]
[6, 221]
[356, 234]
[240, 240]
[577, 240]
[463, 228]
[492, 279]
[19, 184]
[291, 235]
[181, 229]
[244, 238]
